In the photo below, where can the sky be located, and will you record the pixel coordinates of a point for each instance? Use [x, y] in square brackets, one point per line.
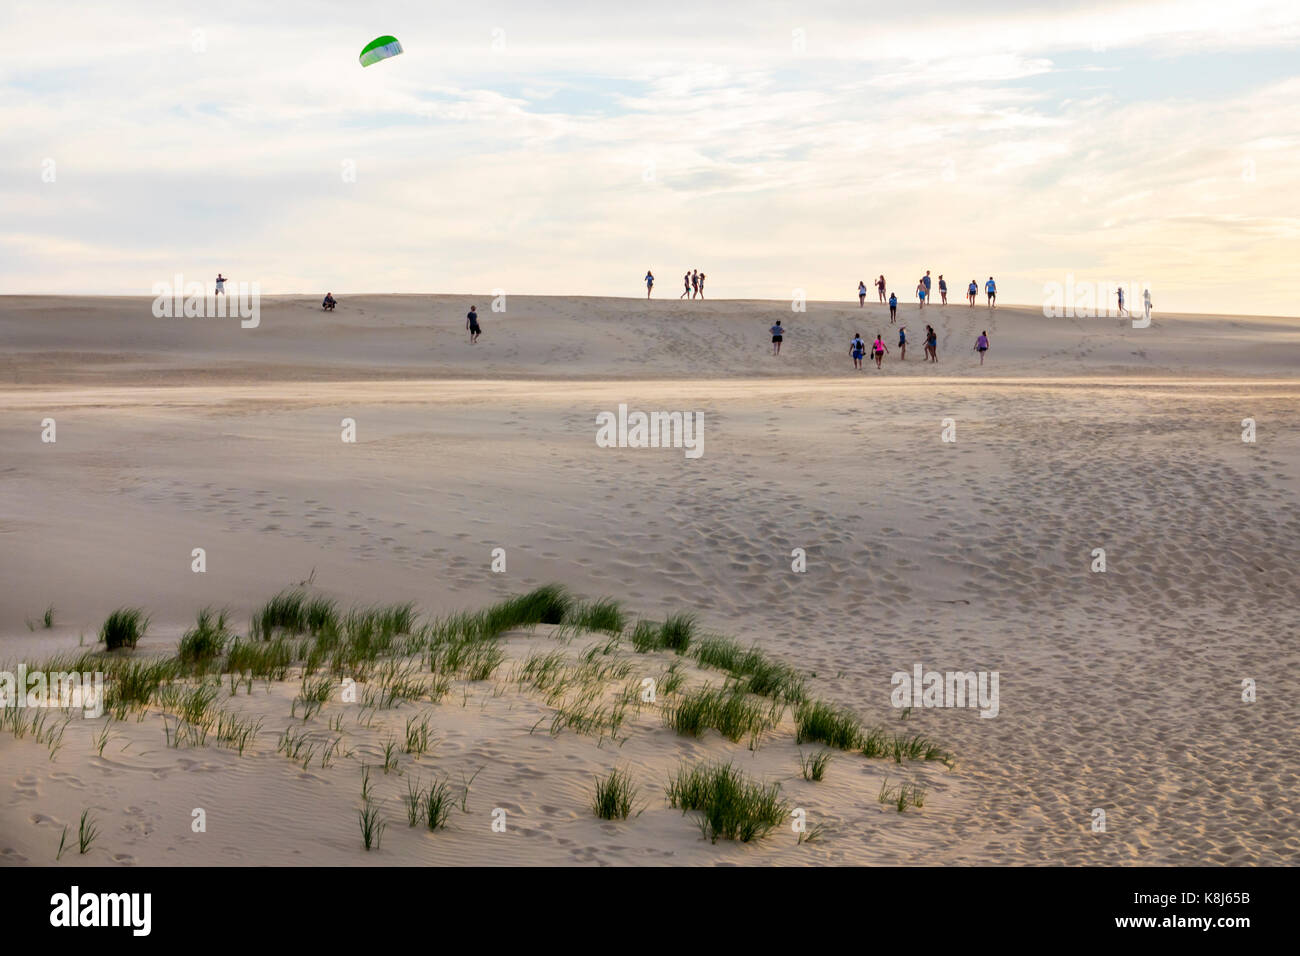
[567, 147]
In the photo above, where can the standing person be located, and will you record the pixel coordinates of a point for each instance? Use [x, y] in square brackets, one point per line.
[686, 281]
[1146, 304]
[902, 343]
[920, 295]
[879, 348]
[982, 345]
[925, 281]
[649, 282]
[972, 291]
[991, 291]
[857, 348]
[471, 323]
[1120, 293]
[880, 287]
[932, 343]
[862, 293]
[893, 308]
[778, 334]
[221, 284]
[943, 290]
[701, 285]
[695, 283]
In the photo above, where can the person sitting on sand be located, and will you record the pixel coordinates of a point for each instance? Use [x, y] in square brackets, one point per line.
[471, 323]
[329, 302]
[862, 293]
[778, 334]
[857, 348]
[649, 282]
[982, 345]
[878, 348]
[893, 308]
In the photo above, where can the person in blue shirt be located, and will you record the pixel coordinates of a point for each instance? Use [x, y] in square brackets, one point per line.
[893, 307]
[943, 290]
[649, 282]
[926, 282]
[902, 343]
[972, 291]
[991, 290]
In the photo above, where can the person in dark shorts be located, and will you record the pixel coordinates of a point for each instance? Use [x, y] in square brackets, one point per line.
[982, 345]
[943, 290]
[471, 323]
[878, 349]
[778, 334]
[880, 287]
[649, 282]
[991, 291]
[932, 343]
[893, 307]
[972, 291]
[902, 343]
[701, 285]
[862, 293]
[329, 302]
[695, 283]
[686, 281]
[857, 348]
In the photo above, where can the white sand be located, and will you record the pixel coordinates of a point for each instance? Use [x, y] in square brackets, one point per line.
[1119, 691]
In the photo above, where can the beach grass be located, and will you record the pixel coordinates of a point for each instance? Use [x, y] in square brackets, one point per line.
[728, 709]
[614, 796]
[731, 806]
[813, 767]
[123, 628]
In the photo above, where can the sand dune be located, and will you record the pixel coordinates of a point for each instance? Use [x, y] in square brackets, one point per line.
[1119, 691]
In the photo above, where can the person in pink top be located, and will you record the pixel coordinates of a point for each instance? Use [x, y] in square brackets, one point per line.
[878, 349]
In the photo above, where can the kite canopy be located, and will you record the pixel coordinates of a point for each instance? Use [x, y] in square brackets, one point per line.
[380, 48]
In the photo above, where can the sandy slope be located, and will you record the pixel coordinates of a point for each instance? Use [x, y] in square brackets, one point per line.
[1119, 691]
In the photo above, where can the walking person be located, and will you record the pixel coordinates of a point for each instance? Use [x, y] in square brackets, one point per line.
[695, 283]
[943, 290]
[857, 348]
[932, 343]
[880, 287]
[471, 323]
[972, 291]
[778, 334]
[991, 291]
[920, 295]
[862, 293]
[649, 282]
[701, 285]
[878, 349]
[686, 281]
[982, 345]
[1122, 311]
[902, 343]
[893, 308]
[925, 281]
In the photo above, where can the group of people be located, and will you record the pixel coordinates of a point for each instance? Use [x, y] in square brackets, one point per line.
[692, 284]
[923, 293]
[859, 349]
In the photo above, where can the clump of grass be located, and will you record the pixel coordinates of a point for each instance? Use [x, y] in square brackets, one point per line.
[286, 612]
[814, 767]
[313, 694]
[205, 641]
[614, 796]
[822, 723]
[131, 685]
[645, 636]
[728, 710]
[123, 628]
[603, 615]
[902, 795]
[919, 747]
[417, 736]
[372, 828]
[759, 673]
[731, 807]
[677, 632]
[438, 803]
[235, 731]
[87, 832]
